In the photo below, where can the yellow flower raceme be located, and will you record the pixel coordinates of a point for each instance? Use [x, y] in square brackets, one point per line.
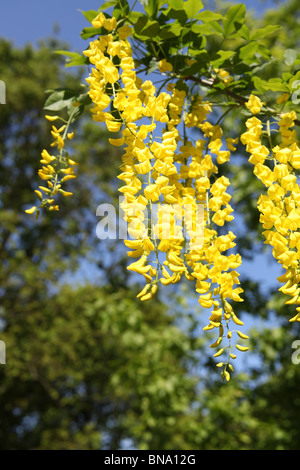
[280, 206]
[254, 104]
[55, 169]
[172, 209]
[165, 66]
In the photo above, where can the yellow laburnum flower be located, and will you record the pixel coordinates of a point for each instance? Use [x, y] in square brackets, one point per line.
[254, 104]
[53, 208]
[117, 142]
[224, 75]
[295, 159]
[31, 210]
[113, 126]
[124, 31]
[108, 23]
[165, 66]
[51, 118]
[264, 174]
[223, 156]
[282, 98]
[47, 158]
[65, 193]
[230, 143]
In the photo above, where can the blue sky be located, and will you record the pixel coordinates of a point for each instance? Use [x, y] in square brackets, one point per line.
[31, 20]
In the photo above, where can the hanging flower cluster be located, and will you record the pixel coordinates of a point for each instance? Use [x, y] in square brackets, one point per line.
[55, 169]
[173, 200]
[175, 197]
[276, 166]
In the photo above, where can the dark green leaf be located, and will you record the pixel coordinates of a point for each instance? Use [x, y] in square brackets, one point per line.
[168, 31]
[181, 85]
[179, 15]
[121, 9]
[75, 109]
[140, 24]
[151, 29]
[151, 7]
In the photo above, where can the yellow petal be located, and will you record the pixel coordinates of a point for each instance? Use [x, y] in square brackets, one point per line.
[31, 210]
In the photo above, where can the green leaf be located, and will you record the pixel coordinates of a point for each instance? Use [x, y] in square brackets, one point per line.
[234, 19]
[75, 110]
[140, 24]
[263, 51]
[84, 99]
[287, 76]
[223, 56]
[263, 32]
[274, 84]
[89, 15]
[262, 67]
[134, 16]
[170, 30]
[90, 32]
[179, 15]
[217, 28]
[181, 85]
[247, 51]
[59, 100]
[208, 16]
[121, 9]
[207, 28]
[191, 39]
[176, 4]
[151, 29]
[108, 4]
[202, 60]
[151, 7]
[244, 32]
[73, 58]
[192, 7]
